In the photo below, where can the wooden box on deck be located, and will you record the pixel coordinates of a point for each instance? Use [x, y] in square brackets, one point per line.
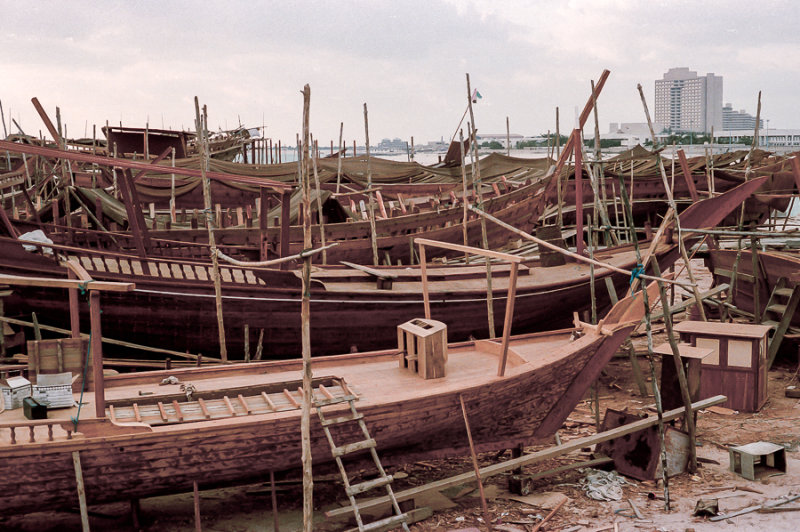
[423, 347]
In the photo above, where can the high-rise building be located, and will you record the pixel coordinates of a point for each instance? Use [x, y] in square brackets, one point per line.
[738, 119]
[688, 102]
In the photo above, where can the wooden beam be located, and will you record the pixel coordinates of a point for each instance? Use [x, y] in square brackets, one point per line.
[687, 175]
[76, 463]
[102, 286]
[545, 454]
[469, 249]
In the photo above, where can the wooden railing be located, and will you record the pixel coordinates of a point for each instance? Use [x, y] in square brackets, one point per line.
[31, 426]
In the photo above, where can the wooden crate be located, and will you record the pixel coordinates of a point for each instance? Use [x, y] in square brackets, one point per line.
[60, 356]
[737, 365]
[423, 347]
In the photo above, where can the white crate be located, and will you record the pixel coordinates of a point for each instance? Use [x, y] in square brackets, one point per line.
[54, 390]
[14, 391]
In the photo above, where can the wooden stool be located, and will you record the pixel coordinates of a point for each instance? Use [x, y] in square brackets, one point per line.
[756, 459]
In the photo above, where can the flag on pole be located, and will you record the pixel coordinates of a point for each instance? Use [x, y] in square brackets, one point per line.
[476, 96]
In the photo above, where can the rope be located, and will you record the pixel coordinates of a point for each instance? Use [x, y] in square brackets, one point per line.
[637, 272]
[83, 385]
[84, 286]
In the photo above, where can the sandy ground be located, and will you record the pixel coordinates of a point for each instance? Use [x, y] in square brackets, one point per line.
[248, 508]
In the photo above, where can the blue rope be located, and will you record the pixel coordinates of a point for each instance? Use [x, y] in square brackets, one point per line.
[636, 273]
[83, 385]
[83, 287]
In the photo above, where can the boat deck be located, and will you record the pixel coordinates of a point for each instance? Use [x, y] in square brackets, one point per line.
[235, 392]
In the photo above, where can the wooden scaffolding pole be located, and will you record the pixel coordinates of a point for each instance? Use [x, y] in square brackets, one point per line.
[202, 137]
[305, 316]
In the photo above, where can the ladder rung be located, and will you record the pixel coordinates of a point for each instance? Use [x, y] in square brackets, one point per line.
[353, 447]
[361, 487]
[386, 522]
[770, 323]
[786, 292]
[336, 400]
[780, 309]
[342, 419]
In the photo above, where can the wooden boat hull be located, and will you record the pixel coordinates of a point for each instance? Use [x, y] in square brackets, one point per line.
[772, 266]
[527, 404]
[179, 314]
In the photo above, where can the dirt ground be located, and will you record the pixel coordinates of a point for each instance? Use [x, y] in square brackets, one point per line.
[248, 508]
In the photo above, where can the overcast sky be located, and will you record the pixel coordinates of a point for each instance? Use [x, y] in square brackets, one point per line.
[407, 59]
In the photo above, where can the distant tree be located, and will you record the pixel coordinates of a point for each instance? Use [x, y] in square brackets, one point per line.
[604, 143]
[494, 145]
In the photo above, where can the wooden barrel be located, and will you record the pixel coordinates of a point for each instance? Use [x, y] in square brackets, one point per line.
[551, 234]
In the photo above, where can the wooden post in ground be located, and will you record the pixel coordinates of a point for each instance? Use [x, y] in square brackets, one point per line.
[372, 231]
[202, 137]
[274, 496]
[196, 492]
[305, 317]
[486, 517]
[76, 464]
[576, 134]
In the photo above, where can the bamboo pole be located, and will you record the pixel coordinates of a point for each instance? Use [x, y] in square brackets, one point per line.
[319, 210]
[305, 316]
[649, 331]
[476, 183]
[372, 231]
[688, 419]
[339, 159]
[202, 136]
[508, 139]
[671, 199]
[465, 200]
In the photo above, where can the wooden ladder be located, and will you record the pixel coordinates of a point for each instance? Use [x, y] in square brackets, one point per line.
[778, 314]
[338, 451]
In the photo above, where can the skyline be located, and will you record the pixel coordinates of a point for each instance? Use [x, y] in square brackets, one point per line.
[407, 60]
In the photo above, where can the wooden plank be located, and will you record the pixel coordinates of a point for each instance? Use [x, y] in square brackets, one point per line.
[545, 454]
